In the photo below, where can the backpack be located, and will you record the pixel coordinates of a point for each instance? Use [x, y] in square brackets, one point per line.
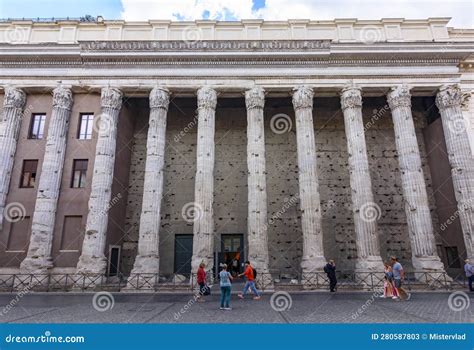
[254, 273]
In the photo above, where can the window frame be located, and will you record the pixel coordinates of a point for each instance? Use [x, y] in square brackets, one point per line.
[88, 122]
[42, 122]
[83, 173]
[22, 177]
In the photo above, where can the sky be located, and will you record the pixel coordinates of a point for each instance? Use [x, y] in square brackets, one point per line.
[461, 11]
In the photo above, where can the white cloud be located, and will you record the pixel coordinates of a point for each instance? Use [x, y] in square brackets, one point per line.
[461, 10]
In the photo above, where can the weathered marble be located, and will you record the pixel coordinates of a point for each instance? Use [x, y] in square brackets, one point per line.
[257, 186]
[148, 259]
[13, 105]
[420, 226]
[365, 210]
[309, 197]
[92, 259]
[38, 258]
[448, 101]
[203, 229]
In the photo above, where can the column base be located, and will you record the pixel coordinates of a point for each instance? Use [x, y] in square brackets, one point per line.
[430, 269]
[369, 272]
[145, 273]
[37, 265]
[91, 265]
[311, 269]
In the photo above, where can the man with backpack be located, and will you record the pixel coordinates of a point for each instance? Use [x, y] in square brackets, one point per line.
[250, 273]
[330, 270]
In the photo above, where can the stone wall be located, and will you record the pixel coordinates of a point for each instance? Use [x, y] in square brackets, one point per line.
[230, 180]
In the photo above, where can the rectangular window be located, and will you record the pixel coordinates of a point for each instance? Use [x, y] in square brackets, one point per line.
[86, 122]
[79, 171]
[37, 126]
[28, 174]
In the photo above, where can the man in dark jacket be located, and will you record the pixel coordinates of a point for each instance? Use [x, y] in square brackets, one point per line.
[330, 270]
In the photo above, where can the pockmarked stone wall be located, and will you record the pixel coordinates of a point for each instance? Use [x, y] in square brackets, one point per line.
[284, 217]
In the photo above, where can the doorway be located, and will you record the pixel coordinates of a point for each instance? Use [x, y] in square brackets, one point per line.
[232, 252]
[183, 254]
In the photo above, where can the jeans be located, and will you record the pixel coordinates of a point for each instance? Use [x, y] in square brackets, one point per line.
[225, 296]
[470, 280]
[251, 285]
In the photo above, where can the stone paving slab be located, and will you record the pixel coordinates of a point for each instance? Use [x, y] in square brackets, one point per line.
[343, 307]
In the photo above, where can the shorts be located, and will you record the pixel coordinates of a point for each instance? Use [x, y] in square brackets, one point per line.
[398, 283]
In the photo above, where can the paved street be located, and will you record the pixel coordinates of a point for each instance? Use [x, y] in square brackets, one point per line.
[315, 307]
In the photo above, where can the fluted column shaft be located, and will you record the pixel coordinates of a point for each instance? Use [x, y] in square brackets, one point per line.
[38, 257]
[455, 129]
[13, 105]
[147, 260]
[257, 187]
[203, 229]
[313, 252]
[363, 206]
[92, 259]
[420, 226]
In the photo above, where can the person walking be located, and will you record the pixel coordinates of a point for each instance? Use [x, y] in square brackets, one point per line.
[469, 271]
[398, 277]
[250, 281]
[330, 270]
[201, 281]
[226, 287]
[389, 290]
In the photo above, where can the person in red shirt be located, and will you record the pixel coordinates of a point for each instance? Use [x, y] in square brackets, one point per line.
[250, 282]
[201, 280]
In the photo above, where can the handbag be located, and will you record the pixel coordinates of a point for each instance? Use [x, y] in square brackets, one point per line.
[206, 290]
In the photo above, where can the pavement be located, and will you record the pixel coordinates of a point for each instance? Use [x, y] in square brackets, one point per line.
[278, 307]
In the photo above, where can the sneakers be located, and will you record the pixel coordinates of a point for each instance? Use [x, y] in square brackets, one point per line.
[408, 296]
[256, 298]
[395, 298]
[240, 296]
[228, 308]
[221, 308]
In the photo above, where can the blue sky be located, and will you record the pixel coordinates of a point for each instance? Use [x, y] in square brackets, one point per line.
[461, 10]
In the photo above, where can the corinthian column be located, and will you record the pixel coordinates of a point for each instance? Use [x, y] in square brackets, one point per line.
[203, 229]
[257, 186]
[365, 211]
[313, 253]
[13, 104]
[420, 226]
[92, 259]
[455, 129]
[148, 259]
[39, 258]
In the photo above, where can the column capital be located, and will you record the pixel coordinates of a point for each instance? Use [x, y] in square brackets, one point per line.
[207, 97]
[111, 97]
[159, 97]
[62, 98]
[14, 97]
[449, 96]
[303, 97]
[255, 98]
[351, 97]
[399, 96]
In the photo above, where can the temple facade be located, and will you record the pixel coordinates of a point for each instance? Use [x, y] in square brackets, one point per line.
[149, 147]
